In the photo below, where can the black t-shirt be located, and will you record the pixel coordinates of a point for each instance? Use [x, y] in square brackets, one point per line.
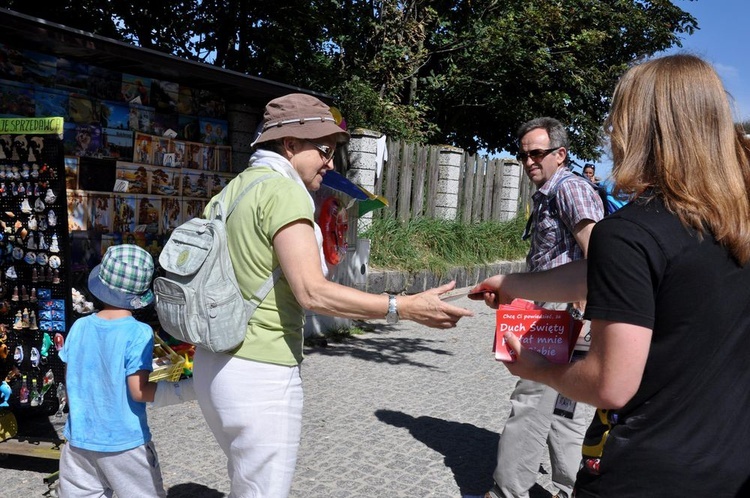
[686, 432]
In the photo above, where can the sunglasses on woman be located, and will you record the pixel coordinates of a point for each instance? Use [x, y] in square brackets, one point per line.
[325, 151]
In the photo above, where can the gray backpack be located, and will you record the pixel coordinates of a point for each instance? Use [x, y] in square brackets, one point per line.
[198, 301]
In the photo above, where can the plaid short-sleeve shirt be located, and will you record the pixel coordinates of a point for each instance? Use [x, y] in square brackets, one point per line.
[552, 241]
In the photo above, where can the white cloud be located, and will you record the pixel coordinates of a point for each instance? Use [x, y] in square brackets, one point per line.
[727, 73]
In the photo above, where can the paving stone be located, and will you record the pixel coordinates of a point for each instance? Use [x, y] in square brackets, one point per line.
[399, 411]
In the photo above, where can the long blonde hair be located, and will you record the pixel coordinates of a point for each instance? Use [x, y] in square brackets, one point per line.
[671, 130]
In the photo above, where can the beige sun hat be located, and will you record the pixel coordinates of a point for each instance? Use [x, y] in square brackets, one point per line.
[300, 116]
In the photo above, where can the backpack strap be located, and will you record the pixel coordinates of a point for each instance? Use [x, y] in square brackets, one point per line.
[551, 206]
[217, 206]
[259, 295]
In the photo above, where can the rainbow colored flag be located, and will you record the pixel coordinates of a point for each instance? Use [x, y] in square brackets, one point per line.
[367, 201]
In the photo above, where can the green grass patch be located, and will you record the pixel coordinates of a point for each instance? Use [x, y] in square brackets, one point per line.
[438, 245]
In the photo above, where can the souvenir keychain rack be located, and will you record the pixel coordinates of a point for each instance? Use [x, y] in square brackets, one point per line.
[35, 295]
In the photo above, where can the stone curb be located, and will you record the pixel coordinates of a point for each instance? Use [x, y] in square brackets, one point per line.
[401, 282]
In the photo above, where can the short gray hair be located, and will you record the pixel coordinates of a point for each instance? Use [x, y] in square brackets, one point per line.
[558, 136]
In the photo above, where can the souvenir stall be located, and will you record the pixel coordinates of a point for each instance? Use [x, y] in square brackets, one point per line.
[35, 300]
[126, 158]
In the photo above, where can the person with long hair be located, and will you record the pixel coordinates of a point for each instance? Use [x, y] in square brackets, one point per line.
[667, 284]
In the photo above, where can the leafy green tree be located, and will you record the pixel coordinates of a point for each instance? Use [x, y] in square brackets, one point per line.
[462, 72]
[519, 59]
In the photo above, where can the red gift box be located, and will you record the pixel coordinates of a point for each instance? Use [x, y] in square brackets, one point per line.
[552, 333]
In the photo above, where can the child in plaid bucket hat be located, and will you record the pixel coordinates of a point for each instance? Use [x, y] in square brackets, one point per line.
[123, 279]
[108, 357]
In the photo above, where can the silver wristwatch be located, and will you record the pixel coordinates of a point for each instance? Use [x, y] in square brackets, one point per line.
[392, 316]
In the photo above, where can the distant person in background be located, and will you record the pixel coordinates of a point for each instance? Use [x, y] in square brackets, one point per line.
[589, 171]
[667, 282]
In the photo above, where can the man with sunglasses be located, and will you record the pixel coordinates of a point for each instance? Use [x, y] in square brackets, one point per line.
[565, 209]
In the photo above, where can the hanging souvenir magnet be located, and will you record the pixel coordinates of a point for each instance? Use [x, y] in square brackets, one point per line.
[18, 355]
[34, 357]
[59, 341]
[46, 344]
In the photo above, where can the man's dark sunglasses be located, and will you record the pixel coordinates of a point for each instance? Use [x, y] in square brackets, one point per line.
[325, 151]
[536, 154]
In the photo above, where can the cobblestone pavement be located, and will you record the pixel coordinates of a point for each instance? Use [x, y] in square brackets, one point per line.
[399, 411]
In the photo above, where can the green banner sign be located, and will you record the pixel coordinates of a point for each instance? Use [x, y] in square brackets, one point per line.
[31, 126]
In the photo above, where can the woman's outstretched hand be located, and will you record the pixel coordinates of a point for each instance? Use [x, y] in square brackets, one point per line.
[428, 309]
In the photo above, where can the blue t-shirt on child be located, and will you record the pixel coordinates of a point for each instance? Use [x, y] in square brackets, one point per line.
[100, 355]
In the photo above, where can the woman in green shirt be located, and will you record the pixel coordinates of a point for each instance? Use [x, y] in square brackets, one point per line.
[252, 398]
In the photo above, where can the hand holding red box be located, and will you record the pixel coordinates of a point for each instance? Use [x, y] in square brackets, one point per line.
[552, 333]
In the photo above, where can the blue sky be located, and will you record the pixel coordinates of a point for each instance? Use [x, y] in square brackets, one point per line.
[723, 41]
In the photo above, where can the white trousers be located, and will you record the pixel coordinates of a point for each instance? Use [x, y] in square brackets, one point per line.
[255, 412]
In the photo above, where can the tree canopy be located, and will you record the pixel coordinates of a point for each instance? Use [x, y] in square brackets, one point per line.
[461, 72]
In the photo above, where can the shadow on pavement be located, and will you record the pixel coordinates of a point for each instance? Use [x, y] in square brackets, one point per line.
[31, 464]
[192, 490]
[470, 452]
[381, 349]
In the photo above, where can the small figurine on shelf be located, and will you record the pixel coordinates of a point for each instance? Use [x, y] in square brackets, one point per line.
[62, 397]
[80, 305]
